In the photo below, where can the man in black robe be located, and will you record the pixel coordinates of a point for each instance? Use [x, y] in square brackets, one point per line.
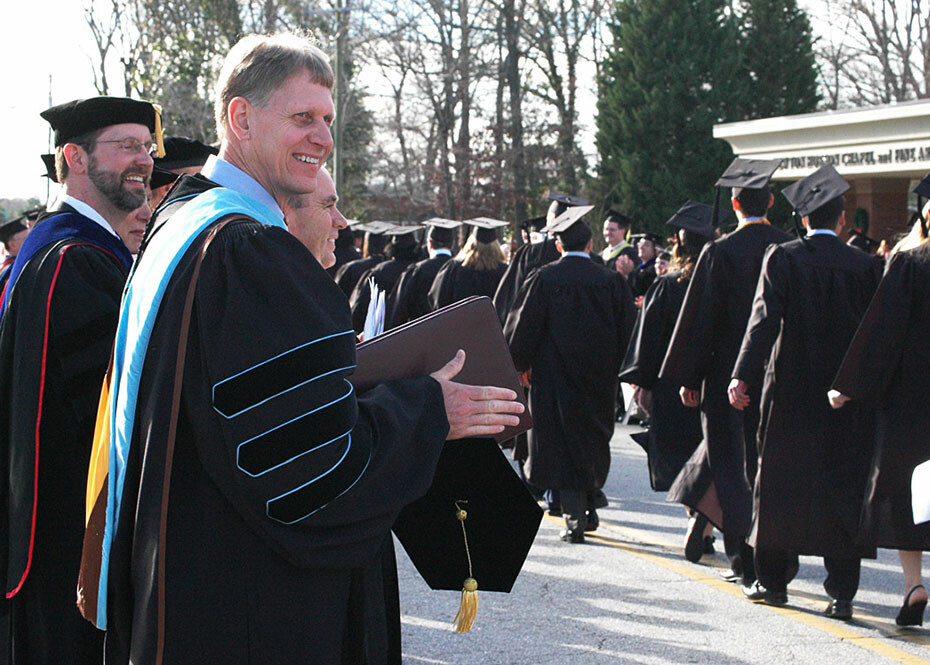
[706, 342]
[345, 251]
[410, 299]
[12, 236]
[258, 490]
[562, 312]
[59, 317]
[348, 274]
[813, 461]
[644, 274]
[402, 253]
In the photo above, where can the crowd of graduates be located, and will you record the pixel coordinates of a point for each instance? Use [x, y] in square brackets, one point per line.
[783, 379]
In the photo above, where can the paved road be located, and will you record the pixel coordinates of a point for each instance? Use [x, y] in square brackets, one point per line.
[629, 596]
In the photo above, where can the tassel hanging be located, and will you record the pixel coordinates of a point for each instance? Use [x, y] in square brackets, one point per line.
[468, 608]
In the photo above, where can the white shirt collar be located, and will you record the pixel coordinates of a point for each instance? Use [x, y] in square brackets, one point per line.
[232, 177]
[583, 255]
[88, 212]
[820, 232]
[442, 250]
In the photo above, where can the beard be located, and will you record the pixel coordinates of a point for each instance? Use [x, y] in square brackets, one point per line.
[111, 186]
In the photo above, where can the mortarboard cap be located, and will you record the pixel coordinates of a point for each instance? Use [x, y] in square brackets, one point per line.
[375, 228]
[618, 218]
[816, 190]
[48, 160]
[665, 255]
[533, 224]
[654, 238]
[182, 152]
[11, 227]
[568, 218]
[485, 228]
[161, 177]
[567, 199]
[863, 242]
[696, 218]
[441, 229]
[80, 116]
[402, 235]
[748, 173]
[474, 476]
[922, 188]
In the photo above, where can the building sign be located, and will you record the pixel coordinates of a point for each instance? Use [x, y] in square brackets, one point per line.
[897, 159]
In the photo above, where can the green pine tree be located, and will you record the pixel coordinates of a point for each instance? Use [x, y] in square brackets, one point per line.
[674, 71]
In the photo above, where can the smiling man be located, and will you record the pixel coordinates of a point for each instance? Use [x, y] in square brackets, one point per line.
[59, 317]
[315, 220]
[251, 494]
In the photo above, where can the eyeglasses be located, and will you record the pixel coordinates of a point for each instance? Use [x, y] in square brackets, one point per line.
[132, 146]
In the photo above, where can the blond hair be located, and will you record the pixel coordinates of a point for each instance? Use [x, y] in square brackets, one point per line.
[480, 255]
[257, 66]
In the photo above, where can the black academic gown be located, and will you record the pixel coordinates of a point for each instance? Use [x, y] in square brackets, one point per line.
[266, 562]
[410, 298]
[674, 429]
[456, 282]
[570, 324]
[343, 256]
[525, 260]
[348, 275]
[813, 460]
[386, 274]
[704, 346]
[642, 278]
[887, 366]
[55, 343]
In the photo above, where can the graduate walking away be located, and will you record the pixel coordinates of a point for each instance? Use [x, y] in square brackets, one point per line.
[813, 461]
[569, 326]
[59, 318]
[887, 367]
[704, 347]
[247, 515]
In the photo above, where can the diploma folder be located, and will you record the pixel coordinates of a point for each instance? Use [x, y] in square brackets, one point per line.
[426, 344]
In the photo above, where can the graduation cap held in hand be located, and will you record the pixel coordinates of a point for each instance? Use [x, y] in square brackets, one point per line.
[456, 534]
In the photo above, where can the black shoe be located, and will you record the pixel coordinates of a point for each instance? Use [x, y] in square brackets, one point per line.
[730, 575]
[593, 521]
[839, 609]
[694, 538]
[574, 537]
[709, 545]
[776, 598]
[911, 615]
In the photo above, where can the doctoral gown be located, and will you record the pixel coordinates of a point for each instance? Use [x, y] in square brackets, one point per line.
[888, 366]
[55, 341]
[570, 325]
[265, 561]
[674, 429]
[456, 282]
[410, 298]
[701, 355]
[386, 274]
[813, 460]
[347, 275]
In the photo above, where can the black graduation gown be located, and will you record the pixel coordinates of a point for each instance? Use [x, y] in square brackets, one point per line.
[55, 344]
[242, 584]
[813, 460]
[570, 324]
[887, 366]
[386, 275]
[674, 429]
[348, 275]
[410, 298]
[343, 256]
[642, 278]
[527, 258]
[701, 355]
[456, 282]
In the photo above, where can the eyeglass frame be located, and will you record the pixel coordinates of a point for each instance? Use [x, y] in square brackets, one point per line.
[152, 149]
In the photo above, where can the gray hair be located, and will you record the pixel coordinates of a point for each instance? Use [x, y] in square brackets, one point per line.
[258, 64]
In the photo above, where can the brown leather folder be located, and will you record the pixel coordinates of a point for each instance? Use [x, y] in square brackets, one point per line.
[426, 344]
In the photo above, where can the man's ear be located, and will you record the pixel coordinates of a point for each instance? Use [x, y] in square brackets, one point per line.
[76, 157]
[558, 246]
[736, 204]
[238, 118]
[771, 201]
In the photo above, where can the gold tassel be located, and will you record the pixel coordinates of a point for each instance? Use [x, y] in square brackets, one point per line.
[468, 608]
[159, 133]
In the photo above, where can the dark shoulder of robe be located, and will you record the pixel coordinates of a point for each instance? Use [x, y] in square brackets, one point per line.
[410, 299]
[642, 278]
[674, 429]
[527, 258]
[702, 352]
[570, 325]
[349, 274]
[274, 553]
[386, 275]
[814, 460]
[456, 282]
[343, 256]
[55, 344]
[887, 366]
